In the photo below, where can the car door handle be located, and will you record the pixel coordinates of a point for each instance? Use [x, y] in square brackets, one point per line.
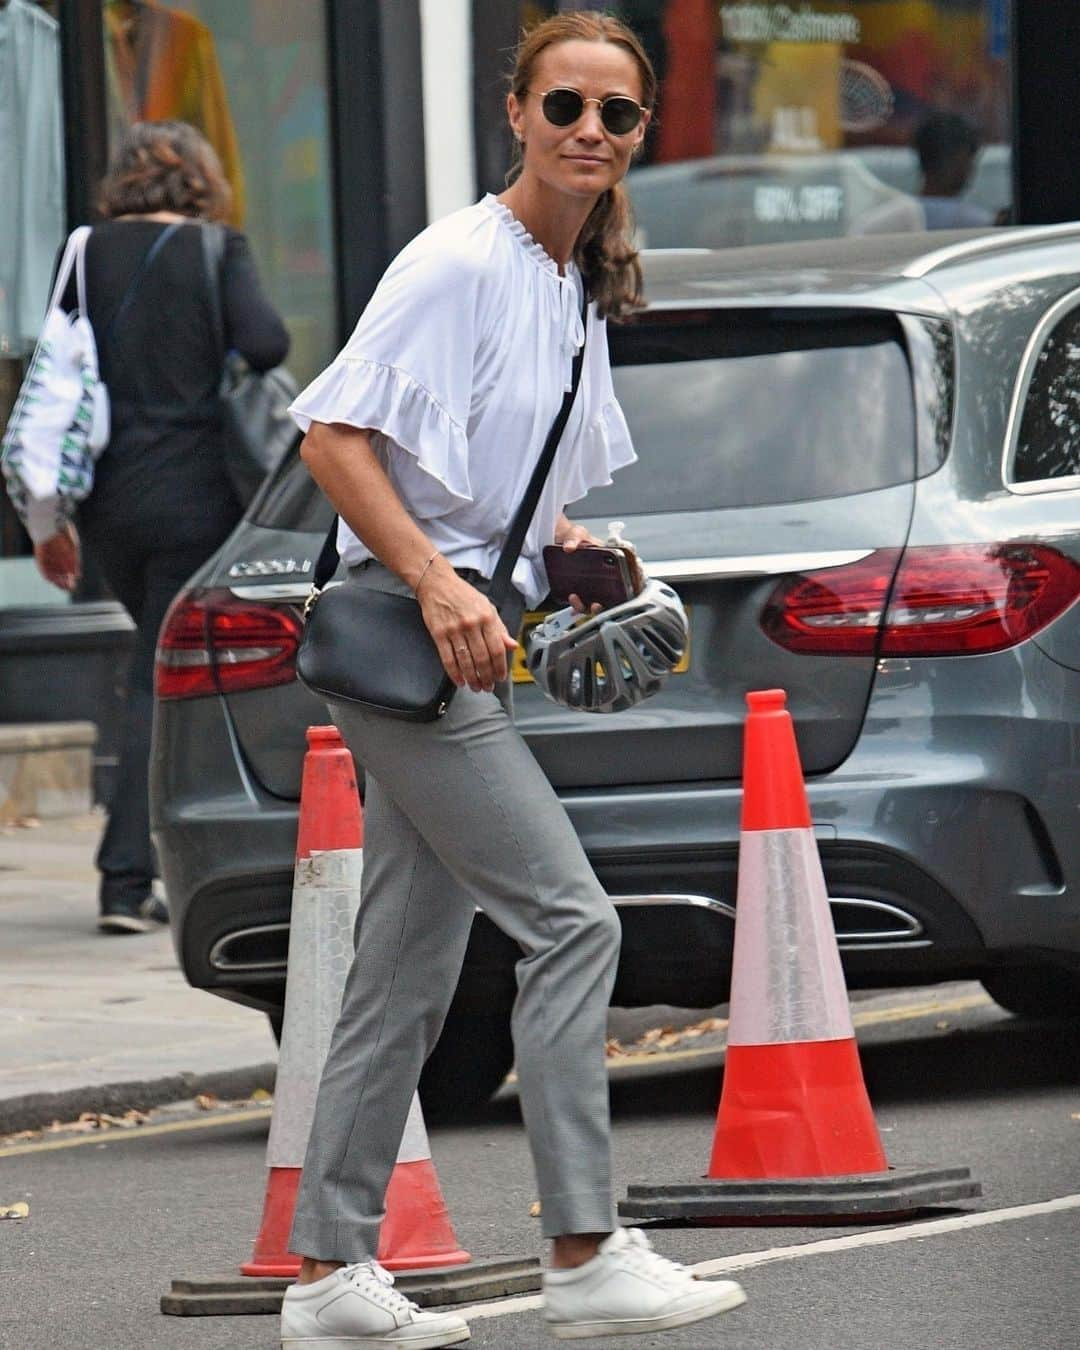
[751, 565]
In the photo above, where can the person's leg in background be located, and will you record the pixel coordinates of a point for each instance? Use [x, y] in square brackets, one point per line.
[145, 578]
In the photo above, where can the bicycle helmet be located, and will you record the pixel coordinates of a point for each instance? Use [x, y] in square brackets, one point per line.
[610, 661]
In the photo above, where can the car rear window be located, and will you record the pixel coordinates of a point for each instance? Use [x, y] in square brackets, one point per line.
[728, 410]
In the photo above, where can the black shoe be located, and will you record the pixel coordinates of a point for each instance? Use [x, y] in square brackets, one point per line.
[142, 916]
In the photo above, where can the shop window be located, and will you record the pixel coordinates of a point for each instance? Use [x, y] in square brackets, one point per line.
[1048, 446]
[31, 231]
[251, 76]
[779, 122]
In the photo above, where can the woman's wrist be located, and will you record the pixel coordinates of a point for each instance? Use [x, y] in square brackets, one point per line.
[423, 572]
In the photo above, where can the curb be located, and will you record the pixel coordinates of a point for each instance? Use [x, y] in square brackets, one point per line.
[38, 1109]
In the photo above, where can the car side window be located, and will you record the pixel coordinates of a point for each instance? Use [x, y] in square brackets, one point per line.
[1048, 445]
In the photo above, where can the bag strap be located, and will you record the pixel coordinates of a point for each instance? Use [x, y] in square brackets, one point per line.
[328, 559]
[133, 285]
[213, 246]
[519, 526]
[74, 253]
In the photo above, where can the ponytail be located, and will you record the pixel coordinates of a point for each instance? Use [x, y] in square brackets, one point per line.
[606, 256]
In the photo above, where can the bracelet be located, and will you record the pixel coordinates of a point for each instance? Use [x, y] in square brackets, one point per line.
[423, 571]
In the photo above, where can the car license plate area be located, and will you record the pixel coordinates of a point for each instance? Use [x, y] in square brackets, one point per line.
[519, 672]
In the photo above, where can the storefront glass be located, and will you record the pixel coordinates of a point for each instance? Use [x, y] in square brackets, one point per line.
[31, 231]
[798, 120]
[251, 75]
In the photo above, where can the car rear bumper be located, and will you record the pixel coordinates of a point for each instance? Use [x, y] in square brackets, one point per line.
[668, 857]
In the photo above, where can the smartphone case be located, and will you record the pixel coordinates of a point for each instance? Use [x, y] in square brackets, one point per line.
[598, 576]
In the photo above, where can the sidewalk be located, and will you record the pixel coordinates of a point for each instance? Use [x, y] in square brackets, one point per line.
[90, 1022]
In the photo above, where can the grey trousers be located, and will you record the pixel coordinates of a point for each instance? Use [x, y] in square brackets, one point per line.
[458, 814]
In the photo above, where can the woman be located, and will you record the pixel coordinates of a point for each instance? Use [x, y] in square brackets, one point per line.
[162, 501]
[423, 434]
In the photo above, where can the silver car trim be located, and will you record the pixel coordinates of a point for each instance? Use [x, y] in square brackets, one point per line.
[218, 957]
[1000, 240]
[668, 569]
[1021, 388]
[692, 901]
[756, 565]
[908, 927]
[280, 590]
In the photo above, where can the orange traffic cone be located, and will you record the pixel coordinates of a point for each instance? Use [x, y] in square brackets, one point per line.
[416, 1232]
[795, 1133]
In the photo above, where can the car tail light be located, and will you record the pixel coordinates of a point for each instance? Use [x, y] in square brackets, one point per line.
[960, 600]
[212, 642]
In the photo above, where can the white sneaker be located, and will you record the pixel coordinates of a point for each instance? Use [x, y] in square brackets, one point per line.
[627, 1288]
[358, 1306]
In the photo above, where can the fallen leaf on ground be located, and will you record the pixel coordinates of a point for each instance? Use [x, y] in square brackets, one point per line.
[261, 1095]
[941, 1026]
[612, 1047]
[20, 1210]
[90, 1121]
[206, 1101]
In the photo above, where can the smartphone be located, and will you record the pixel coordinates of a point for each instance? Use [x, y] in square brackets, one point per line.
[598, 576]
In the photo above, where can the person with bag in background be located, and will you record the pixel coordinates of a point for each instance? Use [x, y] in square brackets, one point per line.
[424, 433]
[159, 500]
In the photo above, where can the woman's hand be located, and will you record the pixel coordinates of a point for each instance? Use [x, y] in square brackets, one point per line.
[472, 640]
[571, 536]
[58, 558]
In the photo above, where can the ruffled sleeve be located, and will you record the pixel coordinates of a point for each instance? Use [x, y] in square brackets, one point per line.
[407, 370]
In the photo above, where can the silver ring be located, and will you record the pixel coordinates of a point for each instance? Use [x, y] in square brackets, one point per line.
[459, 650]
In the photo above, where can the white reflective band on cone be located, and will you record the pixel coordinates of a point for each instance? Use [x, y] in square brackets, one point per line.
[788, 984]
[326, 896]
[414, 1142]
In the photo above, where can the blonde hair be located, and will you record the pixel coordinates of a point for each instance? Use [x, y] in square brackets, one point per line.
[604, 251]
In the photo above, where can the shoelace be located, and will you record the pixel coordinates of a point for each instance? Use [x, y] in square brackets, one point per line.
[640, 1250]
[363, 1273]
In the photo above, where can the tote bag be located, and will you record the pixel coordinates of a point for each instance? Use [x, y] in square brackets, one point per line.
[60, 422]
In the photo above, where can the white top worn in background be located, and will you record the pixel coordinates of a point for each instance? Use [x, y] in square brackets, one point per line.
[458, 366]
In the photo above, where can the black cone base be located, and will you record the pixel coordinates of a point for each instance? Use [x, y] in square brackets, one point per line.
[899, 1191]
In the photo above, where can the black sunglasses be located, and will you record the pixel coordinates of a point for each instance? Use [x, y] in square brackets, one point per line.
[563, 107]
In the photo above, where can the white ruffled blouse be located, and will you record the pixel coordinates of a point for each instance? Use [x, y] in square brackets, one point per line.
[458, 366]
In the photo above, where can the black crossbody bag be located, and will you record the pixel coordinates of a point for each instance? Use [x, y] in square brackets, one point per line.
[372, 647]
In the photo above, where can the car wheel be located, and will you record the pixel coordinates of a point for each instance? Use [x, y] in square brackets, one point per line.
[1035, 991]
[472, 1057]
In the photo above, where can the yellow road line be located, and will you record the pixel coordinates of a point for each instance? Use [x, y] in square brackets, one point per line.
[870, 1018]
[116, 1136]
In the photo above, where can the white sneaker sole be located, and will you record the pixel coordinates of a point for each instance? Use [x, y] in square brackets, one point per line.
[578, 1331]
[125, 923]
[423, 1340]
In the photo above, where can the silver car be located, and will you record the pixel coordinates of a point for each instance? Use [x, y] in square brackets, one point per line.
[860, 465]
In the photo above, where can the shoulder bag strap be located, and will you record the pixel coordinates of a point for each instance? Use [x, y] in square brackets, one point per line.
[327, 562]
[213, 245]
[519, 526]
[133, 285]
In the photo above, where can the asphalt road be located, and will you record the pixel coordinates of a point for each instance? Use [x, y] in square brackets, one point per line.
[115, 1217]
